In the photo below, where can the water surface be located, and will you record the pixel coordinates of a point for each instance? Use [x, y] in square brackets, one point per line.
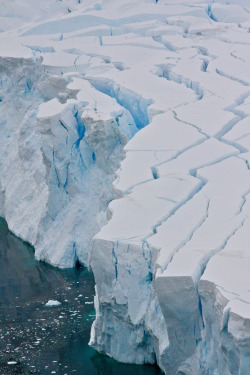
[48, 340]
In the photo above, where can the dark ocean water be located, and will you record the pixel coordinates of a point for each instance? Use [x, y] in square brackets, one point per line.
[48, 340]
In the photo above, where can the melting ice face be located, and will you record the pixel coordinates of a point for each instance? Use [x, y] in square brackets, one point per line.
[43, 338]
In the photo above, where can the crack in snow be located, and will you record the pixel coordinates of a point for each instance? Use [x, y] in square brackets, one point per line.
[221, 73]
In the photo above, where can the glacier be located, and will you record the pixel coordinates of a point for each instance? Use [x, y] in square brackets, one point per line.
[125, 146]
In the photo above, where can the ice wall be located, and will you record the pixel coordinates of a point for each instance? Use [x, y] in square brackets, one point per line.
[58, 158]
[171, 263]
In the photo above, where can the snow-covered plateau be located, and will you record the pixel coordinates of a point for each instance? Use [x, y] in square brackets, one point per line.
[125, 146]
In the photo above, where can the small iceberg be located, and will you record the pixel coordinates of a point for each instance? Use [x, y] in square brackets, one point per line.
[52, 302]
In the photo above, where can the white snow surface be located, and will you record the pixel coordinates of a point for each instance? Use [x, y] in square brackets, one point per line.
[140, 109]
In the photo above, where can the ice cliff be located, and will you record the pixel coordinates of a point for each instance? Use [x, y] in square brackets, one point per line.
[157, 94]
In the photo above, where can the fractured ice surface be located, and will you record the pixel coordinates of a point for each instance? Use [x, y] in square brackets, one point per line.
[61, 171]
[149, 104]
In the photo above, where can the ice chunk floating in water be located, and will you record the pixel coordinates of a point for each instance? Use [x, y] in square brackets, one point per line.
[52, 302]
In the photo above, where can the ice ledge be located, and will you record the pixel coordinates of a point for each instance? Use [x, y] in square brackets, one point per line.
[55, 151]
[184, 184]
